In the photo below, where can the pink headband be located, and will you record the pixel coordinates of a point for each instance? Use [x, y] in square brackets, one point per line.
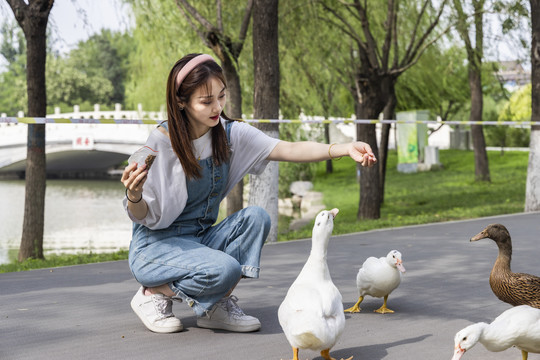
[191, 64]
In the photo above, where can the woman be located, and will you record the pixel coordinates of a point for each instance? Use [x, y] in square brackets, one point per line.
[177, 253]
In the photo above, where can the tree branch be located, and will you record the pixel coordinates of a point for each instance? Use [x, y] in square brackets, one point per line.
[415, 29]
[348, 29]
[18, 7]
[196, 15]
[219, 17]
[372, 49]
[192, 24]
[463, 28]
[415, 53]
[388, 39]
[395, 41]
[418, 53]
[245, 21]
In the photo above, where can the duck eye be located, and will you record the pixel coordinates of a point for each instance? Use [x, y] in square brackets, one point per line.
[465, 338]
[318, 224]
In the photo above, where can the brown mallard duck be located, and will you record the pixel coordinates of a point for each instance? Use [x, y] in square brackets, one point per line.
[512, 288]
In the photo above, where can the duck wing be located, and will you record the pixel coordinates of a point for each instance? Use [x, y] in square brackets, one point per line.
[517, 289]
[312, 317]
[518, 326]
[376, 278]
[528, 288]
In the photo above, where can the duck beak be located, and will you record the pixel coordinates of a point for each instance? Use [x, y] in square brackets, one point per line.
[400, 266]
[458, 353]
[479, 236]
[334, 212]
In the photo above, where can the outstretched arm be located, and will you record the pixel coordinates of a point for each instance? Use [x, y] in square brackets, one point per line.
[309, 151]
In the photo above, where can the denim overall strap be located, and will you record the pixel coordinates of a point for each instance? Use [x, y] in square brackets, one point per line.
[204, 195]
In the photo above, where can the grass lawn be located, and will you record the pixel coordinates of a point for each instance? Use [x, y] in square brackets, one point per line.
[450, 193]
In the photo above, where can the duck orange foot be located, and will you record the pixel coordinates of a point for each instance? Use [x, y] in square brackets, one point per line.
[326, 355]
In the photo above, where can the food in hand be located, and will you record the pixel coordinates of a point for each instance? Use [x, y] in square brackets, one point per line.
[149, 161]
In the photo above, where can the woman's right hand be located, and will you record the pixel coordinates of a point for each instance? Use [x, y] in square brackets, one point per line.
[133, 179]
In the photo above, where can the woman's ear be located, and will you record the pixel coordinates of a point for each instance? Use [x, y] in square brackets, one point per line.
[181, 105]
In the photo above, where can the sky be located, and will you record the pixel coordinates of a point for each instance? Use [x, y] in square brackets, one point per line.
[76, 20]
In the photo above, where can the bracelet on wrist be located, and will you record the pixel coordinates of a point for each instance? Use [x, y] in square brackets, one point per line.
[330, 155]
[131, 201]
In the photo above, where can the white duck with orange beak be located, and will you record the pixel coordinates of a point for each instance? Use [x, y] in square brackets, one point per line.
[378, 277]
[518, 326]
[311, 315]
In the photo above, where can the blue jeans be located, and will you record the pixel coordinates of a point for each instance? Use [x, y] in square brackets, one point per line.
[201, 268]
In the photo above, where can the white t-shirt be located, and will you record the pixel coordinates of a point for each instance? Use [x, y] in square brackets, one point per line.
[165, 189]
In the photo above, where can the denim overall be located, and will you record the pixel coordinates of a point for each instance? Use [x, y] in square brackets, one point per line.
[200, 262]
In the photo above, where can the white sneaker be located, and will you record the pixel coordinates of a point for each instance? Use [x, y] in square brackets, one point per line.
[155, 311]
[226, 315]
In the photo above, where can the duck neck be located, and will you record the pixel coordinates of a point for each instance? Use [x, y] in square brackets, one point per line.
[490, 337]
[318, 252]
[505, 256]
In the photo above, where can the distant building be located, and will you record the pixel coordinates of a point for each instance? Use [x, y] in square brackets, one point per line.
[512, 74]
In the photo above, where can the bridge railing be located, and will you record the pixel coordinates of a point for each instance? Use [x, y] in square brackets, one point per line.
[97, 113]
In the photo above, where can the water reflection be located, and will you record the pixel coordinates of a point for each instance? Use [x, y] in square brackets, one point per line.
[80, 216]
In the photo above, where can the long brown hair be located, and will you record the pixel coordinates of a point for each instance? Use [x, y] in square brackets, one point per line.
[179, 132]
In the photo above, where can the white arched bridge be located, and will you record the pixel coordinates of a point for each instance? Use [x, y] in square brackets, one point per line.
[89, 144]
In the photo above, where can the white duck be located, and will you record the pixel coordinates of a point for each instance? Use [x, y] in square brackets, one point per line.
[311, 315]
[378, 278]
[518, 326]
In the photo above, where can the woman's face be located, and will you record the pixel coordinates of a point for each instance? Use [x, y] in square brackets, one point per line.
[205, 106]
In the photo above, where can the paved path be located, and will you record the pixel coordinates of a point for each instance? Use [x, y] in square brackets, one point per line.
[83, 312]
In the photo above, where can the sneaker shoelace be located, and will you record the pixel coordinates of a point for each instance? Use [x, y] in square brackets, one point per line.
[163, 305]
[230, 304]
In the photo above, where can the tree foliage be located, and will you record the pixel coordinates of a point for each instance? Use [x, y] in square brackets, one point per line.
[105, 55]
[517, 109]
[162, 37]
[437, 83]
[310, 52]
[13, 95]
[95, 72]
[69, 85]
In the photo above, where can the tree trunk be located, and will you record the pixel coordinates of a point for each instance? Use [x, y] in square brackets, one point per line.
[34, 199]
[370, 201]
[389, 113]
[532, 194]
[33, 18]
[264, 188]
[329, 165]
[374, 94]
[481, 165]
[234, 90]
[235, 199]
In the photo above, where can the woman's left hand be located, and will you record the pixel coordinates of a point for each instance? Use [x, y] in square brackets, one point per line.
[361, 153]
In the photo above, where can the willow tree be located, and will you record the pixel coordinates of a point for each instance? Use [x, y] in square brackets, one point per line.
[33, 16]
[227, 47]
[475, 54]
[310, 82]
[382, 48]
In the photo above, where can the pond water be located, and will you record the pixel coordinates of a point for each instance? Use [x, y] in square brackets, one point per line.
[80, 216]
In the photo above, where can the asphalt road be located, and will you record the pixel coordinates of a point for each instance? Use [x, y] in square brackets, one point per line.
[83, 312]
